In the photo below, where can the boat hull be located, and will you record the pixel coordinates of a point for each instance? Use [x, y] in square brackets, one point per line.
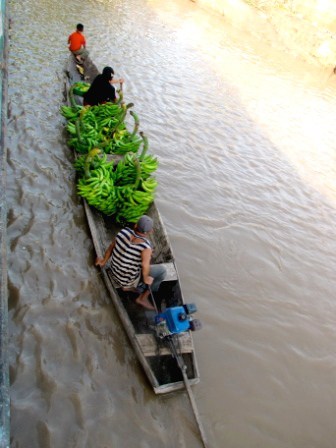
[155, 357]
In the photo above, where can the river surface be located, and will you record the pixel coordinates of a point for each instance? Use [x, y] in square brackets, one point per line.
[246, 139]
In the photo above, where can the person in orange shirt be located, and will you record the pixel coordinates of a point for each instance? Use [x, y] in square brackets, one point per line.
[77, 44]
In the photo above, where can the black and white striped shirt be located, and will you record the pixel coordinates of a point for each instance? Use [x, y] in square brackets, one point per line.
[126, 257]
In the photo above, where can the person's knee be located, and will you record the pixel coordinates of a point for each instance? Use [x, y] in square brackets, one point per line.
[164, 272]
[160, 272]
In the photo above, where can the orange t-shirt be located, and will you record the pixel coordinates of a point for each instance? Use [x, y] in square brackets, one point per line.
[76, 41]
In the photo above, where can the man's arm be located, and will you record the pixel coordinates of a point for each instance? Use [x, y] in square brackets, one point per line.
[102, 261]
[110, 93]
[117, 81]
[146, 256]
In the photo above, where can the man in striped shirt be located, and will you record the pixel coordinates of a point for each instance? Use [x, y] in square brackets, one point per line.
[129, 258]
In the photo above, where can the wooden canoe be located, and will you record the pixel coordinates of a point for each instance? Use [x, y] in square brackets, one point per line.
[161, 367]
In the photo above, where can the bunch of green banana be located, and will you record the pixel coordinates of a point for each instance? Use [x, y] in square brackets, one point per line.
[71, 113]
[125, 141]
[149, 185]
[86, 162]
[133, 202]
[84, 136]
[134, 199]
[109, 116]
[148, 163]
[96, 125]
[126, 171]
[126, 189]
[98, 190]
[96, 183]
[119, 190]
[80, 88]
[132, 207]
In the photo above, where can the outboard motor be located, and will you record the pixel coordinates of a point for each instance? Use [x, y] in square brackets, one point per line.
[176, 320]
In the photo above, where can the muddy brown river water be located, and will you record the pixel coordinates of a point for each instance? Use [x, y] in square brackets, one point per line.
[245, 135]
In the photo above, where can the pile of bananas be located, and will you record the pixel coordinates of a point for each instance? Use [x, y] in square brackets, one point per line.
[135, 200]
[135, 185]
[125, 189]
[126, 172]
[124, 141]
[94, 159]
[71, 113]
[96, 181]
[93, 127]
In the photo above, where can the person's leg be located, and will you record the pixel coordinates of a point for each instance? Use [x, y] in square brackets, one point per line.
[77, 57]
[80, 55]
[143, 300]
[82, 52]
[158, 272]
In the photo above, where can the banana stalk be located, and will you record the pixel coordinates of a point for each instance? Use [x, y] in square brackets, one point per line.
[145, 146]
[73, 101]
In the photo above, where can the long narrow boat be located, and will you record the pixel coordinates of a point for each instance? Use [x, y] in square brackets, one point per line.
[168, 366]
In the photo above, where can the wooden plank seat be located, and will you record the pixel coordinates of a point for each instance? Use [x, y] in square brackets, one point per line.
[150, 347]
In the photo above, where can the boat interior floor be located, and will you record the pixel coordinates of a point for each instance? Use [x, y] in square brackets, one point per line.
[168, 295]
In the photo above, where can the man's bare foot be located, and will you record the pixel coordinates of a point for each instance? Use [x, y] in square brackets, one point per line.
[143, 301]
[79, 60]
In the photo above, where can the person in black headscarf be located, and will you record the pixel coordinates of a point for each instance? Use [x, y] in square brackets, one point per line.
[101, 89]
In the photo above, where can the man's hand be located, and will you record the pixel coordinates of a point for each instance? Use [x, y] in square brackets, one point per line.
[148, 280]
[117, 81]
[100, 262]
